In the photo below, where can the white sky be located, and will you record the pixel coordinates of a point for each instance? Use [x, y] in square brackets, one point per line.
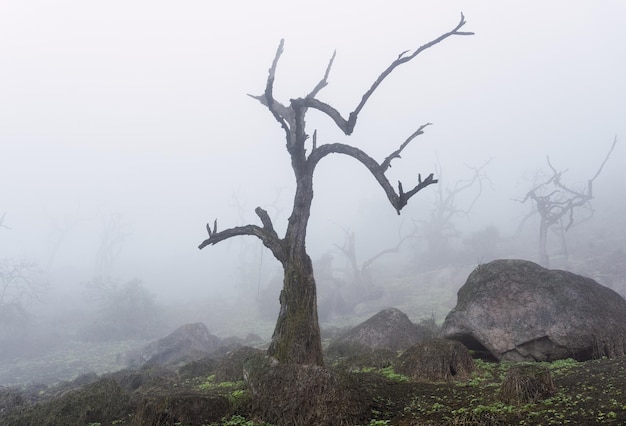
[139, 108]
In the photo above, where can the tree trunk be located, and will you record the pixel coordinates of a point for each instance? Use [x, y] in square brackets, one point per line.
[544, 260]
[296, 338]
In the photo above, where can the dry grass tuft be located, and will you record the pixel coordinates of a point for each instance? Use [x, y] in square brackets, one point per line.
[526, 383]
[437, 360]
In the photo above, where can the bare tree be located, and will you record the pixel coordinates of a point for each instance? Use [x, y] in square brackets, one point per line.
[361, 272]
[2, 225]
[355, 282]
[115, 232]
[440, 227]
[296, 338]
[59, 231]
[556, 203]
[18, 289]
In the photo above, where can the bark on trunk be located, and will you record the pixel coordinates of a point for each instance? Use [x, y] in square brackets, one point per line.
[544, 260]
[296, 338]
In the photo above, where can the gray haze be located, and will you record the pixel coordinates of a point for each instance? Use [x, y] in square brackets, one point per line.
[139, 110]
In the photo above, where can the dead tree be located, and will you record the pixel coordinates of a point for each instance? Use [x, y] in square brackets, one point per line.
[114, 234]
[59, 231]
[2, 225]
[296, 338]
[360, 273]
[556, 203]
[18, 288]
[440, 228]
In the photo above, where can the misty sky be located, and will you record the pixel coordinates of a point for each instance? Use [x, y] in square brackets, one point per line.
[139, 110]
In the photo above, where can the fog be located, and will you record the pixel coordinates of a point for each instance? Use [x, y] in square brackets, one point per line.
[136, 115]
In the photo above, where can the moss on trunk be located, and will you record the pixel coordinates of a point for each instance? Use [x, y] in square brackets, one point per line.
[296, 338]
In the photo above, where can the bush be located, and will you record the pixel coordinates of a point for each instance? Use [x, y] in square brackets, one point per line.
[125, 311]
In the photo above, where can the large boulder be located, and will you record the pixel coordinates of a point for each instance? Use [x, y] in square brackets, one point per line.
[388, 329]
[189, 342]
[230, 367]
[520, 311]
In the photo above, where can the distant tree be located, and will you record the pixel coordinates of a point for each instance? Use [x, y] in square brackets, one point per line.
[360, 272]
[124, 308]
[2, 225]
[19, 287]
[296, 338]
[114, 234]
[59, 231]
[440, 227]
[354, 283]
[556, 203]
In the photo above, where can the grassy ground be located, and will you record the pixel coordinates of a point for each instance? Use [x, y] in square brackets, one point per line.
[585, 393]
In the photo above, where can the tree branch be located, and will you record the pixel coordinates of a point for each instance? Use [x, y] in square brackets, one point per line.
[347, 126]
[396, 154]
[2, 225]
[281, 113]
[324, 81]
[398, 200]
[604, 162]
[266, 234]
[390, 250]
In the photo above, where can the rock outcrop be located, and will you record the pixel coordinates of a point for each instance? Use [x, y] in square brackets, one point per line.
[520, 311]
[187, 343]
[388, 329]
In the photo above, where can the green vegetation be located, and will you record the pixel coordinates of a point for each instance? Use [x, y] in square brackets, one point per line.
[237, 420]
[392, 375]
[589, 392]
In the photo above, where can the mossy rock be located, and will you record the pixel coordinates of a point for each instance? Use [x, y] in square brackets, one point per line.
[200, 368]
[230, 368]
[389, 329]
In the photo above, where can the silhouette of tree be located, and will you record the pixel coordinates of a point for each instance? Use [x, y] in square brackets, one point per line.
[296, 338]
[556, 203]
[440, 227]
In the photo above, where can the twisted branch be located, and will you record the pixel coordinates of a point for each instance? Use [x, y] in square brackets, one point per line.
[398, 200]
[266, 234]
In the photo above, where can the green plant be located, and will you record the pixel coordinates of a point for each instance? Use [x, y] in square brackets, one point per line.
[378, 422]
[238, 397]
[237, 420]
[389, 373]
